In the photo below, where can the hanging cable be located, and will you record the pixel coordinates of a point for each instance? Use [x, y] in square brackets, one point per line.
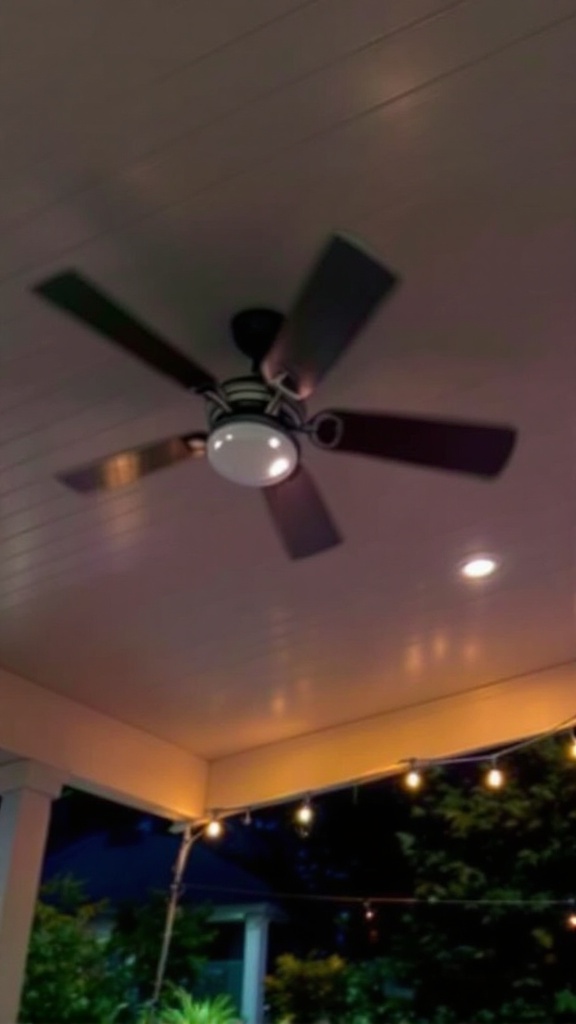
[413, 770]
[189, 837]
[537, 903]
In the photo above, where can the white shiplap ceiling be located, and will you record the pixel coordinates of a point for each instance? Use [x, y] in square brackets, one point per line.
[191, 158]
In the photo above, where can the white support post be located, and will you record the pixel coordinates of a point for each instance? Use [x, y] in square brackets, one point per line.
[27, 790]
[254, 973]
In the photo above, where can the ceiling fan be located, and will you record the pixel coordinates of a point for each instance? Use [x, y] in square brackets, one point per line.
[256, 422]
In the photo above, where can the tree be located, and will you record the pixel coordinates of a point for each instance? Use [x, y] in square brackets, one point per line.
[137, 937]
[307, 991]
[513, 961]
[77, 975]
[68, 972]
[456, 840]
[374, 995]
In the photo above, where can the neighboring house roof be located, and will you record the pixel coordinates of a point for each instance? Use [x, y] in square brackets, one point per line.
[127, 871]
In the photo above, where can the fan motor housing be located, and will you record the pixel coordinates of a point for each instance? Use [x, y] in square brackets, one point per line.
[252, 395]
[254, 332]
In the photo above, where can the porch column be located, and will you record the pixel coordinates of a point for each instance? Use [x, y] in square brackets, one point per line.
[27, 790]
[255, 950]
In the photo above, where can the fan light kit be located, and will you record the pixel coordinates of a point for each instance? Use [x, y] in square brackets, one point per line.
[255, 423]
[252, 452]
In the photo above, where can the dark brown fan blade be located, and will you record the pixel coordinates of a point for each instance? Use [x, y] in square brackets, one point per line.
[73, 294]
[127, 467]
[344, 288]
[300, 516]
[459, 447]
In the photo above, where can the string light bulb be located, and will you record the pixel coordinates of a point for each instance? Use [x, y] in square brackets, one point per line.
[413, 777]
[572, 745]
[369, 912]
[305, 813]
[494, 778]
[571, 920]
[214, 829]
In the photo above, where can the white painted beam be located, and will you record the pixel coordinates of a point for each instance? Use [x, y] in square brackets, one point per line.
[104, 756]
[97, 752]
[371, 747]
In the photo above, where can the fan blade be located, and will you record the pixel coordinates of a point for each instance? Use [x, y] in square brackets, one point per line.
[127, 467]
[300, 516]
[460, 447]
[344, 288]
[73, 294]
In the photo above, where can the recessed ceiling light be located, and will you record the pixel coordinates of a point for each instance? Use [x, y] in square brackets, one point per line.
[479, 567]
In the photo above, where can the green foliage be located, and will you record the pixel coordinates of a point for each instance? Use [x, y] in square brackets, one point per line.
[137, 936]
[306, 991]
[499, 963]
[491, 964]
[182, 1008]
[374, 994]
[565, 1003]
[74, 976]
[68, 974]
[179, 1007]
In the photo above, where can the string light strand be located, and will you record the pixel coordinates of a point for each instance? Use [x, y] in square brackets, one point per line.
[407, 901]
[413, 767]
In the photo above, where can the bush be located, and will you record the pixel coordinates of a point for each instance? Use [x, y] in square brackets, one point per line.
[73, 976]
[181, 1008]
[138, 933]
[307, 991]
[313, 990]
[373, 995]
[68, 979]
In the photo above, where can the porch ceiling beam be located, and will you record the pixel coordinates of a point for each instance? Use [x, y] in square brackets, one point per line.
[488, 716]
[98, 753]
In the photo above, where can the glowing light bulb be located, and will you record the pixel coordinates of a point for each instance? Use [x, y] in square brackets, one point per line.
[572, 746]
[479, 567]
[571, 921]
[413, 778]
[369, 912]
[214, 829]
[305, 813]
[494, 778]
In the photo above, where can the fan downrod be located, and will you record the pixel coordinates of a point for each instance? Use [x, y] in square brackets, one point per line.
[254, 331]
